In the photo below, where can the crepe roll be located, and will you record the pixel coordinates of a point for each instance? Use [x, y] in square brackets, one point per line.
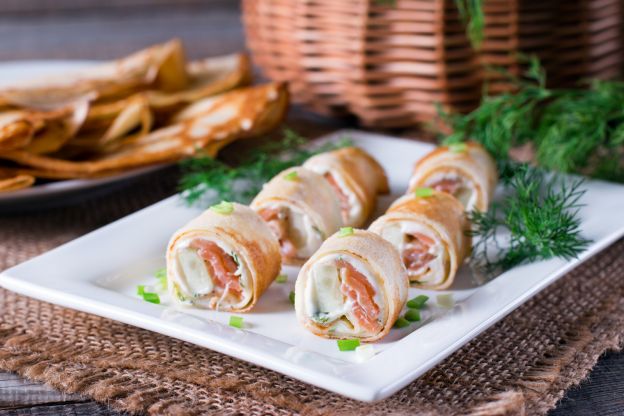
[223, 260]
[429, 233]
[301, 209]
[353, 287]
[356, 178]
[464, 170]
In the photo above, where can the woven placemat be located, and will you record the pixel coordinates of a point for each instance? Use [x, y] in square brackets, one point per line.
[522, 365]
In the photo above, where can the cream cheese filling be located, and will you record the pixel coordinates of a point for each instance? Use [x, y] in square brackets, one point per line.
[302, 231]
[433, 272]
[197, 286]
[326, 305]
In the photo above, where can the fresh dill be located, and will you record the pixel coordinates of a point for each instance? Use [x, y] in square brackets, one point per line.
[473, 17]
[573, 130]
[538, 220]
[205, 177]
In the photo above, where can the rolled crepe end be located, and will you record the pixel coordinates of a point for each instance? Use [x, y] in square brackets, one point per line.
[354, 287]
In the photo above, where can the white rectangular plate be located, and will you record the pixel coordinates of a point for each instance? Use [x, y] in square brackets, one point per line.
[98, 273]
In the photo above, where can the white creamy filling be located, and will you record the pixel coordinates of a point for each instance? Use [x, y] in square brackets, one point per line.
[434, 271]
[197, 286]
[355, 207]
[325, 303]
[466, 193]
[302, 231]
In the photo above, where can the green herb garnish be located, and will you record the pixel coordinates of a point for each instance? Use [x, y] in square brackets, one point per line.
[541, 217]
[140, 290]
[445, 300]
[401, 323]
[291, 297]
[471, 13]
[282, 278]
[246, 170]
[291, 176]
[161, 275]
[458, 147]
[345, 231]
[223, 208]
[412, 315]
[348, 344]
[423, 192]
[151, 297]
[236, 322]
[418, 302]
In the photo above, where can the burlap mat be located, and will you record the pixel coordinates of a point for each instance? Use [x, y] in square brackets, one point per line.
[521, 365]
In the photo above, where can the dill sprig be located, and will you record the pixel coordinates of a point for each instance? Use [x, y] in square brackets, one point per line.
[471, 13]
[570, 130]
[206, 179]
[538, 218]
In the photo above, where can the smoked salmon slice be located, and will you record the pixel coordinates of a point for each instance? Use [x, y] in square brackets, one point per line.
[344, 199]
[221, 266]
[277, 219]
[416, 252]
[450, 186]
[357, 288]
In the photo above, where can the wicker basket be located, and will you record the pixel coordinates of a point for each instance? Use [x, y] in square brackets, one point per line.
[392, 65]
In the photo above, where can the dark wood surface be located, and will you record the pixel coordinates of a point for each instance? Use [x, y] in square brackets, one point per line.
[92, 29]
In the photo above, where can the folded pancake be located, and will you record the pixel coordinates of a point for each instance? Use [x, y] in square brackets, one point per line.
[429, 234]
[356, 178]
[161, 67]
[302, 210]
[11, 180]
[466, 171]
[205, 127]
[354, 286]
[223, 260]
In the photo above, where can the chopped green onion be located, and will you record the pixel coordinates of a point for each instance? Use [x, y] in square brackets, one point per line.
[291, 176]
[282, 278]
[140, 290]
[345, 231]
[446, 300]
[151, 297]
[401, 323]
[423, 192]
[458, 147]
[161, 275]
[291, 297]
[236, 321]
[412, 315]
[223, 208]
[348, 344]
[418, 302]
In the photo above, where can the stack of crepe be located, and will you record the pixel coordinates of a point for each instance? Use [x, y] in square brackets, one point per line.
[151, 107]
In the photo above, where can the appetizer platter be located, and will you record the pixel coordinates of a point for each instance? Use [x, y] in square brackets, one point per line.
[73, 125]
[349, 271]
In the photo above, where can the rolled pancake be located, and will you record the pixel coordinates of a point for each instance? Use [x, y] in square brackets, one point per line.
[354, 286]
[356, 177]
[466, 172]
[429, 234]
[222, 261]
[302, 210]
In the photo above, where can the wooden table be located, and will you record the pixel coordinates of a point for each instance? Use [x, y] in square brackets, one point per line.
[84, 29]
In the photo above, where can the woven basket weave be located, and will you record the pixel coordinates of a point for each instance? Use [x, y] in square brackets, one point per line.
[392, 64]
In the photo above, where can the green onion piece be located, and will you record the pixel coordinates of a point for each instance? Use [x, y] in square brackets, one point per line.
[418, 302]
[348, 344]
[458, 147]
[223, 208]
[412, 315]
[401, 323]
[345, 231]
[282, 278]
[291, 176]
[236, 322]
[140, 290]
[423, 192]
[161, 275]
[446, 300]
[291, 297]
[151, 297]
